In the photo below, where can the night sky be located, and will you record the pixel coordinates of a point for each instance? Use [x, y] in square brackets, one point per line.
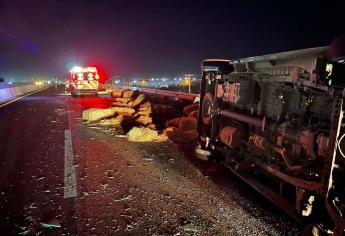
[154, 38]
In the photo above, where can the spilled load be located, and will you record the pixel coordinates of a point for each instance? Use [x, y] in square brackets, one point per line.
[136, 114]
[97, 114]
[144, 134]
[131, 111]
[184, 129]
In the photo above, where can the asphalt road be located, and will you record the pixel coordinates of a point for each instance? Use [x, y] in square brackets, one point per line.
[62, 177]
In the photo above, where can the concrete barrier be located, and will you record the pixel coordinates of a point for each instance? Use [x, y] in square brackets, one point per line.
[7, 94]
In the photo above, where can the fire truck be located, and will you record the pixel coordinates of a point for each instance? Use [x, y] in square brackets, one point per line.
[277, 122]
[83, 80]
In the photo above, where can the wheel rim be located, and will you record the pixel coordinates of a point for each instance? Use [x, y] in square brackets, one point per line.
[207, 107]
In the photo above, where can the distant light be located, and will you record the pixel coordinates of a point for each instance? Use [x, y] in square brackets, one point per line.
[91, 69]
[10, 82]
[135, 81]
[77, 69]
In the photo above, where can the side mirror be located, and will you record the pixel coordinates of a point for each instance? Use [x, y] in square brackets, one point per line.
[2, 80]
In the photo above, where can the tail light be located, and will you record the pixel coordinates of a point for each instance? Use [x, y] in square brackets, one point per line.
[90, 76]
[80, 76]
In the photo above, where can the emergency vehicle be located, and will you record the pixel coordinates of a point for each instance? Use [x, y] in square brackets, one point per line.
[83, 80]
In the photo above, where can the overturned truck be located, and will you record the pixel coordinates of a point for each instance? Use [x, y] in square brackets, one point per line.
[277, 122]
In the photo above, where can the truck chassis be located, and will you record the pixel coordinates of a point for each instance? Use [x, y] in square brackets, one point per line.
[277, 122]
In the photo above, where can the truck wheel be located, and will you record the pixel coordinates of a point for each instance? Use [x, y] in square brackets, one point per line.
[206, 107]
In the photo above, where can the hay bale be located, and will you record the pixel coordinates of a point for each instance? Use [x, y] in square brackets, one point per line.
[112, 121]
[144, 113]
[177, 135]
[152, 126]
[145, 109]
[122, 100]
[117, 92]
[144, 120]
[130, 93]
[194, 114]
[136, 101]
[96, 114]
[162, 110]
[119, 104]
[173, 133]
[123, 111]
[127, 94]
[187, 123]
[173, 123]
[190, 135]
[144, 134]
[188, 109]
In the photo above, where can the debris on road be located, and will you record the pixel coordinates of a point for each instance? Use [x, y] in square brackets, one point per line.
[51, 224]
[123, 93]
[177, 135]
[136, 113]
[127, 98]
[187, 124]
[123, 111]
[189, 109]
[144, 134]
[145, 109]
[194, 114]
[183, 129]
[164, 110]
[144, 120]
[112, 121]
[129, 109]
[96, 114]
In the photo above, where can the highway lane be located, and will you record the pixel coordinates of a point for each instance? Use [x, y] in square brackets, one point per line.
[91, 181]
[32, 167]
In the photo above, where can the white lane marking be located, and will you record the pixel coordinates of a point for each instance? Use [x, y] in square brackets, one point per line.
[28, 94]
[70, 189]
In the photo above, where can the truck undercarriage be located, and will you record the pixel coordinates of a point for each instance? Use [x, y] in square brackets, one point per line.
[277, 122]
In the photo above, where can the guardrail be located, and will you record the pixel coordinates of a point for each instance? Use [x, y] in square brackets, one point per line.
[7, 94]
[186, 96]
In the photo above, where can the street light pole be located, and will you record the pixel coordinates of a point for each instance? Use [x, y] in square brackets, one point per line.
[188, 77]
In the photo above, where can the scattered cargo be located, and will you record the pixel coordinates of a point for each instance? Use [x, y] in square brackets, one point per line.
[143, 134]
[135, 112]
